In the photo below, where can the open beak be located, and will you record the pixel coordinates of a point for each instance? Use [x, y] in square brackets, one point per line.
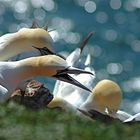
[73, 70]
[46, 51]
[63, 75]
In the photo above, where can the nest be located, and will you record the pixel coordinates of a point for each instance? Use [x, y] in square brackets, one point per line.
[35, 95]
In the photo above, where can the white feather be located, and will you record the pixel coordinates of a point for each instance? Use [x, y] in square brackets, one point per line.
[70, 93]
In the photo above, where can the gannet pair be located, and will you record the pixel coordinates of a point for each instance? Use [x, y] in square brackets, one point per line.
[26, 42]
[27, 39]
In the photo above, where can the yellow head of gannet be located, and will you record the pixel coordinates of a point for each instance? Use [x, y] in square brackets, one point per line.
[106, 95]
[12, 73]
[26, 39]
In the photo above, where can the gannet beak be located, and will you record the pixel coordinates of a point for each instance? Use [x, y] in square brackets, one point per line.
[67, 78]
[73, 70]
[46, 51]
[63, 75]
[85, 41]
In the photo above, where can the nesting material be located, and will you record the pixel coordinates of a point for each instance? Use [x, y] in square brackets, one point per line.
[35, 96]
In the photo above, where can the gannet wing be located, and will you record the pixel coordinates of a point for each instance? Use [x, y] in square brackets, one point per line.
[133, 118]
[121, 115]
[73, 57]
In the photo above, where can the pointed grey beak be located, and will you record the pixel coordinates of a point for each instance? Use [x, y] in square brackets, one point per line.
[73, 70]
[85, 41]
[67, 78]
[46, 51]
[63, 76]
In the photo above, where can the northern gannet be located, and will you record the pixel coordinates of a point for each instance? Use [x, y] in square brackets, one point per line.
[106, 98]
[25, 40]
[12, 73]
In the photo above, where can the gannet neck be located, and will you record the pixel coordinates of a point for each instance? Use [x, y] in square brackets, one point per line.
[90, 104]
[8, 75]
[13, 44]
[43, 65]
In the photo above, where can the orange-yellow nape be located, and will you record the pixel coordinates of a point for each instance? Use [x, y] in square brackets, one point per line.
[107, 95]
[106, 98]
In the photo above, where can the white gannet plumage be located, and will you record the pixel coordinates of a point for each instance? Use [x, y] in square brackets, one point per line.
[75, 96]
[121, 115]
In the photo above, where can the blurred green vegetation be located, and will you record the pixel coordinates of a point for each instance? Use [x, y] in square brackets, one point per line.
[17, 122]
